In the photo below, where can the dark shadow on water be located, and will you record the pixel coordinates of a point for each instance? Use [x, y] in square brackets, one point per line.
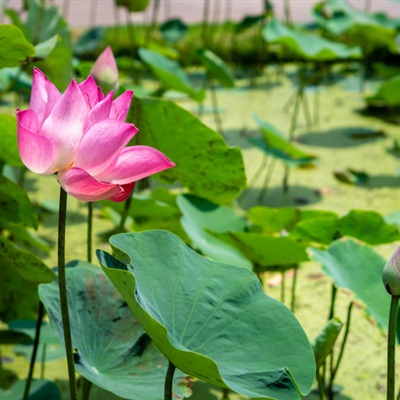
[296, 197]
[239, 137]
[340, 137]
[381, 181]
[315, 396]
[387, 114]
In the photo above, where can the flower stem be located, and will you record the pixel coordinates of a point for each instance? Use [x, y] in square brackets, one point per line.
[35, 349]
[391, 350]
[168, 381]
[89, 231]
[62, 283]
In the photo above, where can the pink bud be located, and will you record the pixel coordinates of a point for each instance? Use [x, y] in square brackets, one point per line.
[105, 71]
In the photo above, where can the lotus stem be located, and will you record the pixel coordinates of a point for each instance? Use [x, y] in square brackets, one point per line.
[89, 231]
[217, 117]
[168, 381]
[391, 349]
[34, 351]
[267, 178]
[294, 285]
[86, 387]
[333, 300]
[125, 212]
[204, 27]
[43, 360]
[62, 283]
[321, 388]
[283, 285]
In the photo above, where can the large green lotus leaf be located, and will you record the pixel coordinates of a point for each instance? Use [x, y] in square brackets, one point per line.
[16, 207]
[269, 251]
[169, 73]
[40, 390]
[368, 226]
[307, 46]
[216, 68]
[204, 163]
[387, 95]
[212, 320]
[43, 23]
[357, 267]
[9, 153]
[112, 349]
[275, 144]
[26, 264]
[15, 49]
[201, 215]
[318, 230]
[273, 220]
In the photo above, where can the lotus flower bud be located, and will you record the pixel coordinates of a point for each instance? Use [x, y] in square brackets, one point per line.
[105, 71]
[391, 274]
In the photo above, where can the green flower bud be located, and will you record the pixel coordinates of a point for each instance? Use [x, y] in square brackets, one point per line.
[391, 274]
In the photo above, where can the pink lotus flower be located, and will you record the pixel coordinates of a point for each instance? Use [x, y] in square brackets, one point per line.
[105, 71]
[81, 135]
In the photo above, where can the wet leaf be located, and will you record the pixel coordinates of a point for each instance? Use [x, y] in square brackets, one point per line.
[206, 317]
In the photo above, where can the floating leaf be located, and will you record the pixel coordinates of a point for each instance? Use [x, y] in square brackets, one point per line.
[307, 46]
[248, 21]
[351, 176]
[40, 390]
[169, 73]
[357, 267]
[325, 340]
[199, 216]
[15, 205]
[91, 40]
[212, 320]
[216, 68]
[318, 230]
[204, 163]
[15, 49]
[275, 144]
[122, 359]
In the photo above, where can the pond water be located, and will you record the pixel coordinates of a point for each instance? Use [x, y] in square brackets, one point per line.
[337, 109]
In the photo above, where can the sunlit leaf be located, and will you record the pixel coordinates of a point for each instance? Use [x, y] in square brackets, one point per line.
[216, 68]
[15, 49]
[201, 215]
[169, 73]
[43, 49]
[212, 320]
[307, 46]
[358, 267]
[204, 163]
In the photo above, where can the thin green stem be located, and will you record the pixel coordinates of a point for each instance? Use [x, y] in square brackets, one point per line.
[283, 285]
[214, 102]
[168, 381]
[35, 349]
[267, 179]
[62, 283]
[294, 285]
[125, 212]
[43, 360]
[333, 300]
[321, 388]
[391, 349]
[89, 231]
[225, 394]
[344, 341]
